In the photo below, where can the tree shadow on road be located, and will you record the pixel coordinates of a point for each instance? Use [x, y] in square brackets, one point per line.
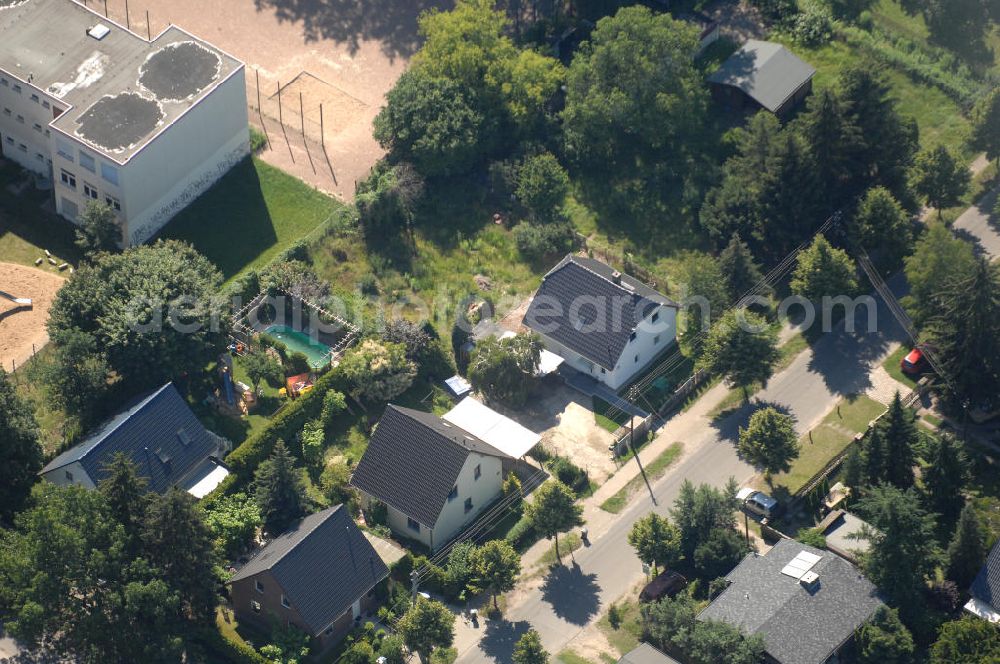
[500, 638]
[729, 425]
[571, 593]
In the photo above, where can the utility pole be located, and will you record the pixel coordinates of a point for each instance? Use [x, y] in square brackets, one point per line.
[631, 444]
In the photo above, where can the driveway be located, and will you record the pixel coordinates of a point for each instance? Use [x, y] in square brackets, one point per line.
[975, 225]
[570, 598]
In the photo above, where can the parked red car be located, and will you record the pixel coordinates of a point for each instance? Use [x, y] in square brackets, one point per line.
[914, 363]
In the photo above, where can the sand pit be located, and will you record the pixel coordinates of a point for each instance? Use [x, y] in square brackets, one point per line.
[19, 329]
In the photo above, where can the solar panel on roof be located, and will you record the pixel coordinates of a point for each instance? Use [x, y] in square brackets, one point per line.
[800, 564]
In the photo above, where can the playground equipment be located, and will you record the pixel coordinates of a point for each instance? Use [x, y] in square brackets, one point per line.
[22, 301]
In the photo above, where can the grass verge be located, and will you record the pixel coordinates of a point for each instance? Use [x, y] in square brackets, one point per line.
[891, 365]
[627, 634]
[654, 470]
[568, 543]
[851, 416]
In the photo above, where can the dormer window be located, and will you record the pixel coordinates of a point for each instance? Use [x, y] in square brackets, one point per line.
[468, 505]
[656, 317]
[285, 603]
[631, 337]
[453, 494]
[259, 587]
[478, 472]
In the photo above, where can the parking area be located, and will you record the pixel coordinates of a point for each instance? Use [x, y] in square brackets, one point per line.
[565, 420]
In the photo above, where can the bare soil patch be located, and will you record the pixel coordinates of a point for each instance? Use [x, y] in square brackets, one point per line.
[20, 329]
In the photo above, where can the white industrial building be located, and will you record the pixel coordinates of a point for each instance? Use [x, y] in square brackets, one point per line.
[103, 114]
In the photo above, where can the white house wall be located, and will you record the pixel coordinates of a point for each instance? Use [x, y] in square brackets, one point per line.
[650, 340]
[483, 491]
[186, 159]
[25, 122]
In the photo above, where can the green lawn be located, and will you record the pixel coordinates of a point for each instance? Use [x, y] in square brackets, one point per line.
[570, 657]
[654, 471]
[629, 631]
[254, 212]
[891, 365]
[939, 118]
[828, 439]
[601, 407]
[26, 230]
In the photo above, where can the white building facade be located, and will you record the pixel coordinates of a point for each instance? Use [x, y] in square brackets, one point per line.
[105, 115]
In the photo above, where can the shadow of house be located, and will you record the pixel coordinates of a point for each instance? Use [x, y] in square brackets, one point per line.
[762, 75]
[572, 594]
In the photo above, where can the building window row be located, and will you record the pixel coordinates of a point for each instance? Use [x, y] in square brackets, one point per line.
[89, 190]
[68, 179]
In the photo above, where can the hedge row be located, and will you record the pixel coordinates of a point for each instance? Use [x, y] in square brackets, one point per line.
[284, 425]
[218, 648]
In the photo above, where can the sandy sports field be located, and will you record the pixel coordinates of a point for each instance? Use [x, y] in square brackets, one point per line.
[20, 329]
[344, 54]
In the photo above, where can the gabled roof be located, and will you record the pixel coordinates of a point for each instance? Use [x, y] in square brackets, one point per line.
[799, 626]
[765, 71]
[323, 564]
[986, 587]
[580, 305]
[157, 431]
[413, 461]
[646, 654]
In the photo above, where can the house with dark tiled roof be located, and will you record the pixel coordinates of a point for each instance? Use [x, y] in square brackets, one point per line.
[804, 602]
[433, 476]
[319, 576]
[162, 437]
[985, 592]
[603, 323]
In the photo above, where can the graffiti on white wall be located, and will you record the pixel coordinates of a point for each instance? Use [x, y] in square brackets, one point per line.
[196, 187]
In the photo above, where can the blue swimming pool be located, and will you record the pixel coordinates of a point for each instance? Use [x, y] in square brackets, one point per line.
[300, 342]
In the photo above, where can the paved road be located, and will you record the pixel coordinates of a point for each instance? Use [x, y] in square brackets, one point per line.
[571, 597]
[974, 224]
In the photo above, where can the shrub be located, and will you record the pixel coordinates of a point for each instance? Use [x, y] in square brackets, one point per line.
[812, 537]
[812, 26]
[258, 140]
[522, 534]
[615, 615]
[536, 241]
[570, 474]
[368, 284]
[297, 363]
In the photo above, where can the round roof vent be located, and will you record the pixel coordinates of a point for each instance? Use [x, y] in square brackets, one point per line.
[119, 122]
[179, 71]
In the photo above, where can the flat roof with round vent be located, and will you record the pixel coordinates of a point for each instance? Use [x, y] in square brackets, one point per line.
[120, 121]
[179, 71]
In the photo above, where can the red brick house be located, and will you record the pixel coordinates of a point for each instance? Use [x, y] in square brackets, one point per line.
[319, 576]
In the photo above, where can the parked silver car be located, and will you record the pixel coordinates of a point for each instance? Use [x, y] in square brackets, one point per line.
[758, 502]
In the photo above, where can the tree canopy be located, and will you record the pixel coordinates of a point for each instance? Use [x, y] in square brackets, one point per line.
[822, 270]
[969, 640]
[903, 551]
[939, 258]
[495, 567]
[885, 639]
[553, 510]
[427, 626]
[698, 511]
[529, 650]
[769, 441]
[656, 541]
[985, 117]
[97, 229]
[967, 550]
[940, 178]
[743, 348]
[19, 447]
[278, 490]
[377, 370]
[152, 309]
[504, 369]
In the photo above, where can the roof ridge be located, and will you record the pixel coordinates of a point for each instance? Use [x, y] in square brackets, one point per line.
[91, 445]
[319, 522]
